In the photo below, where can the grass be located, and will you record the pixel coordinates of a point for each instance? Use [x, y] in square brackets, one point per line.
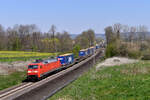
[15, 78]
[10, 56]
[124, 82]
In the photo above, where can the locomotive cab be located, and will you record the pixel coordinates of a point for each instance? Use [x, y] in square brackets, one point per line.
[33, 70]
[38, 70]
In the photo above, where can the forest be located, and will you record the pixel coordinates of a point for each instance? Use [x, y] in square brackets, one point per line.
[30, 38]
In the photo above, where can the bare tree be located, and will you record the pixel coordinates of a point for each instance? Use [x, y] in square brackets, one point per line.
[125, 29]
[132, 34]
[142, 30]
[2, 37]
[65, 42]
[117, 29]
[53, 31]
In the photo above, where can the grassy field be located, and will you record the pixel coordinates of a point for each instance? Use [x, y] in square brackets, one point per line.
[9, 56]
[125, 82]
[11, 80]
[17, 77]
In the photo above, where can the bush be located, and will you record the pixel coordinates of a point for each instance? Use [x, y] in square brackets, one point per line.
[117, 49]
[122, 50]
[111, 50]
[134, 54]
[146, 57]
[144, 46]
[76, 50]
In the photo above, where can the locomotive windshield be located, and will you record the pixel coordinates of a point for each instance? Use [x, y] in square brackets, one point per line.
[33, 67]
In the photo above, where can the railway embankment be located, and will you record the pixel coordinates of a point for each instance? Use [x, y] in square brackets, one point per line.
[124, 79]
[12, 79]
[7, 68]
[12, 73]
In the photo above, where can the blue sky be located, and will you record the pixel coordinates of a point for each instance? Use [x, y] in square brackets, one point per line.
[75, 16]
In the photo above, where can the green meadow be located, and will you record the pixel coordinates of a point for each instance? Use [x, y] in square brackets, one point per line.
[124, 82]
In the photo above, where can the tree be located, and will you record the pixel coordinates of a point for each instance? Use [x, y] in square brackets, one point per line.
[86, 39]
[142, 32]
[132, 34]
[14, 42]
[82, 41]
[76, 50]
[110, 36]
[2, 37]
[125, 29]
[117, 29]
[65, 42]
[91, 37]
[52, 31]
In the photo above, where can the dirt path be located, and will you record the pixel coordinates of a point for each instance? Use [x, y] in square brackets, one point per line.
[115, 61]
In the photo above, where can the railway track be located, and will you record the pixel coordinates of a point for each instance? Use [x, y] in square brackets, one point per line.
[47, 87]
[13, 90]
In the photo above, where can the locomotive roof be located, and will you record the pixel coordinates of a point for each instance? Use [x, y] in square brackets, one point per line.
[49, 60]
[45, 61]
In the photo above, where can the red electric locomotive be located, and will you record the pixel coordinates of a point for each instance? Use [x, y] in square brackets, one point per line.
[39, 69]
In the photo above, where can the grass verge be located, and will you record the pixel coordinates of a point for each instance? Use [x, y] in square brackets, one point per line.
[15, 78]
[124, 82]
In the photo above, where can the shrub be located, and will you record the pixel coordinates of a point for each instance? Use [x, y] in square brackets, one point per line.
[146, 57]
[134, 54]
[118, 49]
[122, 50]
[111, 50]
[76, 50]
[144, 46]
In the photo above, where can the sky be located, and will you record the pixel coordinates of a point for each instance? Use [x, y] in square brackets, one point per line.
[75, 16]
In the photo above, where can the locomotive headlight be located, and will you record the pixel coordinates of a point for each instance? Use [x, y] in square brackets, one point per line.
[29, 71]
[35, 71]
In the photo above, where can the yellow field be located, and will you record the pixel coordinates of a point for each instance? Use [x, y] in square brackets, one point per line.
[21, 55]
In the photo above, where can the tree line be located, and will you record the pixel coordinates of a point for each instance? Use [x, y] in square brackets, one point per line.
[123, 40]
[30, 38]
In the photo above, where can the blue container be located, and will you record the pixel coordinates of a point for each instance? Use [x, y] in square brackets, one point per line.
[70, 58]
[93, 50]
[89, 51]
[66, 59]
[97, 47]
[83, 53]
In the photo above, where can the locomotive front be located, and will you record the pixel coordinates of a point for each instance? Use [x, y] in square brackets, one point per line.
[33, 71]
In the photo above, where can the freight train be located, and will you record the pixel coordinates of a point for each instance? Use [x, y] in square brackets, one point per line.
[40, 68]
